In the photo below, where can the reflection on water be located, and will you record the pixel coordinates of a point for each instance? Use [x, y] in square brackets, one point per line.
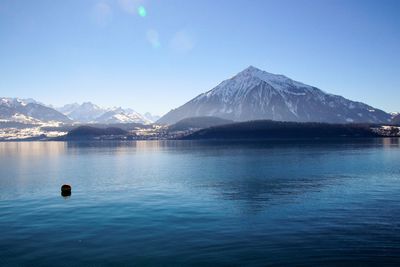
[26, 149]
[206, 203]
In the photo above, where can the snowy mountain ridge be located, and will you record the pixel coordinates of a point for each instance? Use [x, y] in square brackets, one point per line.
[29, 111]
[12, 102]
[89, 112]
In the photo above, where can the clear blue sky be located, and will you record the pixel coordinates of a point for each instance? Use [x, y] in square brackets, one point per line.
[62, 51]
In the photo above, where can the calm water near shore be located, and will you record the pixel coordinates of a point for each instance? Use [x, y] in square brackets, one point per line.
[168, 203]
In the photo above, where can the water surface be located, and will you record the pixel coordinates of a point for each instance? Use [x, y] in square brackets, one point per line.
[185, 203]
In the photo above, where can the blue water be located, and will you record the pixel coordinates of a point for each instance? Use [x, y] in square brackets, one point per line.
[154, 203]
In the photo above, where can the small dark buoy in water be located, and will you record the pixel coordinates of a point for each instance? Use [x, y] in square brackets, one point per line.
[66, 190]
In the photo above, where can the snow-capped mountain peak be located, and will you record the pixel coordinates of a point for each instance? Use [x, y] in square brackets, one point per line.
[255, 94]
[239, 85]
[9, 101]
[89, 106]
[278, 80]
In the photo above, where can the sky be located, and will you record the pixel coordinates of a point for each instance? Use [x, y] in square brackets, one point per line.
[154, 56]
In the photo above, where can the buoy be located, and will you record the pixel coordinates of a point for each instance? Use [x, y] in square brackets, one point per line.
[66, 190]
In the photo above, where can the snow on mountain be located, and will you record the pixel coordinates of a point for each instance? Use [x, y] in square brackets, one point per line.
[120, 115]
[18, 117]
[86, 112]
[67, 109]
[254, 94]
[28, 111]
[394, 114]
[89, 112]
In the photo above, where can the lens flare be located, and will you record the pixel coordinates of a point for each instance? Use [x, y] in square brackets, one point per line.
[142, 11]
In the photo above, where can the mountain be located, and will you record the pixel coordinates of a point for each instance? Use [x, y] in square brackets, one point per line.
[264, 129]
[90, 113]
[28, 111]
[197, 123]
[254, 94]
[86, 112]
[396, 119]
[120, 115]
[150, 117]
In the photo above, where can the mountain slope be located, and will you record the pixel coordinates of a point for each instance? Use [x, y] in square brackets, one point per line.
[396, 119]
[254, 94]
[28, 111]
[197, 123]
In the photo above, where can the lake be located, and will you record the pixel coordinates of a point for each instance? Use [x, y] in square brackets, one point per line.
[180, 203]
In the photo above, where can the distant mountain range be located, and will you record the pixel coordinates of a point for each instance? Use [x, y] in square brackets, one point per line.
[85, 112]
[29, 111]
[89, 112]
[254, 94]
